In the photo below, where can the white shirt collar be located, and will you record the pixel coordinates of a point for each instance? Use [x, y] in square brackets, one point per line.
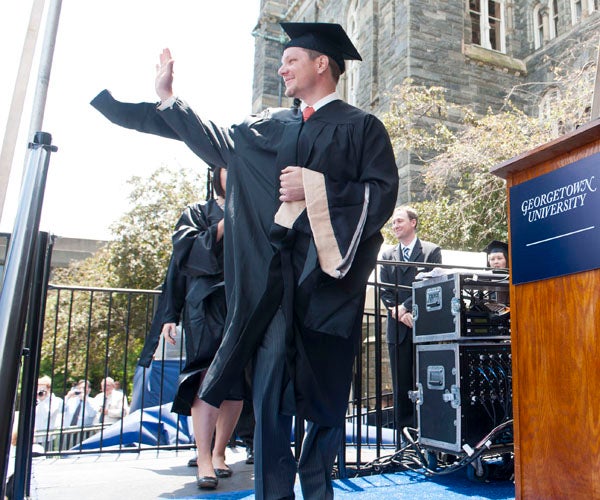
[410, 246]
[321, 102]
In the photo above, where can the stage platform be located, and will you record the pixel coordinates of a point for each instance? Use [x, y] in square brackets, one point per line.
[165, 474]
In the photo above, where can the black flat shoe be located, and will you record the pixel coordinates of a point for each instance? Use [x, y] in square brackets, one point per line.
[193, 462]
[223, 473]
[207, 482]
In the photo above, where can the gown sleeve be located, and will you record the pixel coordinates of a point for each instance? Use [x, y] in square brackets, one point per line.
[196, 250]
[141, 116]
[208, 141]
[173, 292]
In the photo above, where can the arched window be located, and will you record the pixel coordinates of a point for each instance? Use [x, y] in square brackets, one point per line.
[352, 67]
[582, 8]
[488, 24]
[576, 10]
[592, 6]
[538, 26]
[553, 19]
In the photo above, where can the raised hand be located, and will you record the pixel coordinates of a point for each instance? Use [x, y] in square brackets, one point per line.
[163, 83]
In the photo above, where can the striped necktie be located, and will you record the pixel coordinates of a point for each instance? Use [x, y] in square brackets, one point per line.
[406, 253]
[76, 414]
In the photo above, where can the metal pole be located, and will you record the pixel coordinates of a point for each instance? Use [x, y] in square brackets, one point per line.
[15, 286]
[41, 89]
[13, 121]
[33, 348]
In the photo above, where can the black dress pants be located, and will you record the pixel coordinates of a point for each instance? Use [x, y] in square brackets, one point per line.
[274, 463]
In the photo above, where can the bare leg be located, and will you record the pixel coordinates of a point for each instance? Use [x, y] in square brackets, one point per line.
[204, 419]
[229, 414]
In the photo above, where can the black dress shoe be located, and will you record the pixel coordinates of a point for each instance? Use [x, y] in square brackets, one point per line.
[207, 482]
[223, 473]
[249, 455]
[193, 462]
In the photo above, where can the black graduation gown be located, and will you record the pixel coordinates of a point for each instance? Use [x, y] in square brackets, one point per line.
[193, 294]
[330, 241]
[153, 337]
[198, 257]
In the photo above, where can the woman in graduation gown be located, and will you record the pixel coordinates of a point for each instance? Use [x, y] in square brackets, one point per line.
[194, 293]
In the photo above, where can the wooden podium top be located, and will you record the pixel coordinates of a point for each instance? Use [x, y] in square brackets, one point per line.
[564, 144]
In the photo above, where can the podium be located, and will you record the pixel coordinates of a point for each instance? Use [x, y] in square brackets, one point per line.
[555, 315]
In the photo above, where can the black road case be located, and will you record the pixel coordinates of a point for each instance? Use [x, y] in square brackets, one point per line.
[463, 392]
[461, 306]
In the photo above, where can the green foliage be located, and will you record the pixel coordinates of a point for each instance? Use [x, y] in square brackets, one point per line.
[94, 271]
[421, 119]
[96, 328]
[564, 102]
[93, 330]
[465, 205]
[141, 250]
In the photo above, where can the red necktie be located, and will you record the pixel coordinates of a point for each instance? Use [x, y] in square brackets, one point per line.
[307, 112]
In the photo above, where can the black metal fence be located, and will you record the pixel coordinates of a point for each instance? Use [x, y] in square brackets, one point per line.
[93, 333]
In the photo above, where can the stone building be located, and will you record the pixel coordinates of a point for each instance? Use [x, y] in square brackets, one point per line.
[480, 51]
[64, 250]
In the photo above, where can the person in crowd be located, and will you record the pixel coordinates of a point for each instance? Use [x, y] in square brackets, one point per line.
[48, 411]
[80, 408]
[398, 301]
[497, 258]
[497, 254]
[111, 403]
[309, 189]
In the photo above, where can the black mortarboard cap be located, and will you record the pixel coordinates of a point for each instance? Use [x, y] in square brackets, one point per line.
[497, 246]
[327, 38]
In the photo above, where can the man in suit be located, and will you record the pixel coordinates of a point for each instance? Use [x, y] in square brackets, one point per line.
[398, 301]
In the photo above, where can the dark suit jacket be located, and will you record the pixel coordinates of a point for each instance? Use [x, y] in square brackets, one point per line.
[423, 251]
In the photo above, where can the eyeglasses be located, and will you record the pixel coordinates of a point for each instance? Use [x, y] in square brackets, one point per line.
[42, 393]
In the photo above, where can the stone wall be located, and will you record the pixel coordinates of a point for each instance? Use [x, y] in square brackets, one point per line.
[429, 42]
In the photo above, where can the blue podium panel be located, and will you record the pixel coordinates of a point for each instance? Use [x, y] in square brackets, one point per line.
[555, 222]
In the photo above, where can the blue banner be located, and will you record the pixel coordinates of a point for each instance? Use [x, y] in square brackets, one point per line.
[555, 222]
